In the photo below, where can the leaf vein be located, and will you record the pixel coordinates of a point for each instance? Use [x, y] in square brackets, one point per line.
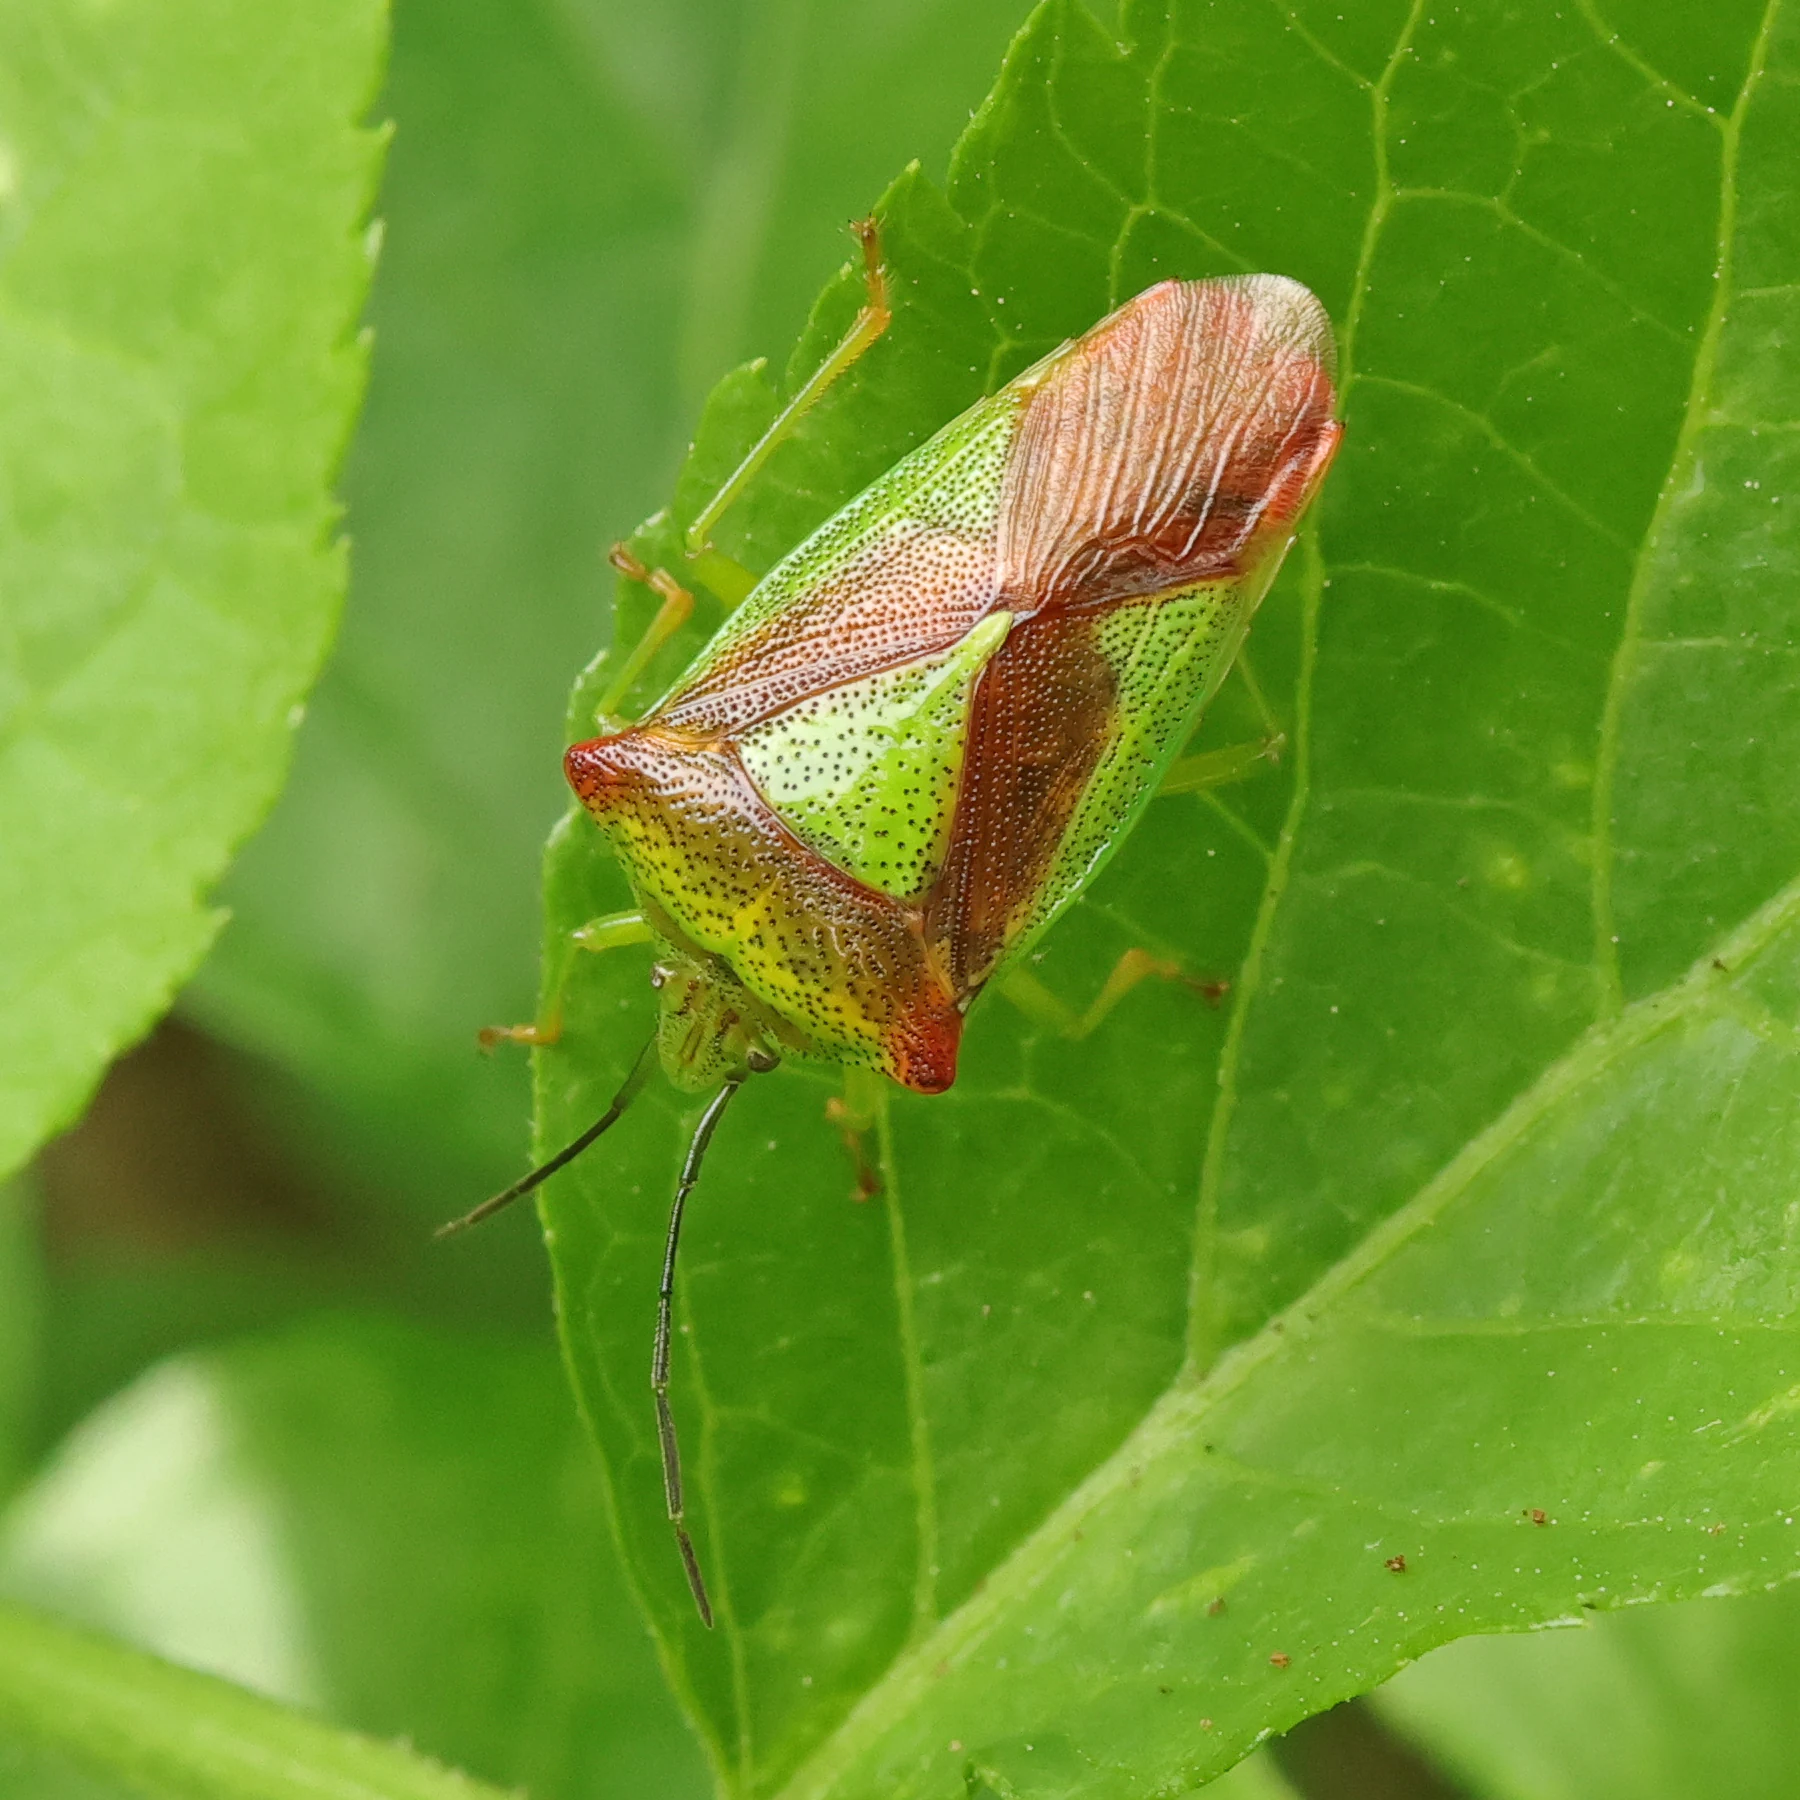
[1681, 463]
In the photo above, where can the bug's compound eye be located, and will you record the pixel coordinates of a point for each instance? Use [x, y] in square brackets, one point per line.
[760, 1061]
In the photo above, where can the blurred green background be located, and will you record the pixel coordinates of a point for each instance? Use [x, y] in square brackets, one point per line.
[260, 1423]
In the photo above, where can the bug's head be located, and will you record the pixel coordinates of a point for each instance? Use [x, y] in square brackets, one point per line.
[710, 1028]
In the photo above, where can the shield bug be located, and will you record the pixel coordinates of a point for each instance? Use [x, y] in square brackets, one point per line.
[923, 732]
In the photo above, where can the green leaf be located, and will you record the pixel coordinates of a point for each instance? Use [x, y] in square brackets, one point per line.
[182, 198]
[1696, 1699]
[169, 1734]
[1472, 1203]
[403, 1529]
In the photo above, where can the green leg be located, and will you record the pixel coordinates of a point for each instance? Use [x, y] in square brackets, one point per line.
[725, 576]
[1219, 768]
[607, 933]
[869, 324]
[677, 606]
[856, 1112]
[1043, 1007]
[1189, 775]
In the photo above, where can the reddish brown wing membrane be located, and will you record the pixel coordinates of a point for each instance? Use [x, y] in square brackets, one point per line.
[1161, 442]
[1171, 447]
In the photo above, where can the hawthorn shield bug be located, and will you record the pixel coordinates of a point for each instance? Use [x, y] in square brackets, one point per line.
[923, 732]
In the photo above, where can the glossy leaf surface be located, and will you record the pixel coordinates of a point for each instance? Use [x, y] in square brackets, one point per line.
[1481, 1110]
[184, 204]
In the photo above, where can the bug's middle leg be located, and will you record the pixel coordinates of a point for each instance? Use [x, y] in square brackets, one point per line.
[1188, 775]
[1220, 768]
[725, 576]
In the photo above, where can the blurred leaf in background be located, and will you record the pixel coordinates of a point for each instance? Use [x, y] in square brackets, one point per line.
[1653, 1703]
[85, 1718]
[183, 212]
[307, 1514]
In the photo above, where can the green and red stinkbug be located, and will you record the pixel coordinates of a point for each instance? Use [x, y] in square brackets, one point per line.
[922, 733]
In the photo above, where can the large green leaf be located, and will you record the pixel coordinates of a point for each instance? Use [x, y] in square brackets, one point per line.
[1500, 1110]
[182, 203]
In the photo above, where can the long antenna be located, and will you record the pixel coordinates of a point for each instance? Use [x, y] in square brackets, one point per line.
[640, 1073]
[659, 1361]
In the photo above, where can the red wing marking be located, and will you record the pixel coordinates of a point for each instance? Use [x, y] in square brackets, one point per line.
[1041, 719]
[1172, 445]
[916, 592]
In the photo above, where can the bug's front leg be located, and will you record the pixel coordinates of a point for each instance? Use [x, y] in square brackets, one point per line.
[867, 326]
[608, 933]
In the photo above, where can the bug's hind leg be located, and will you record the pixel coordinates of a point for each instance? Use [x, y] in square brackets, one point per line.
[608, 933]
[1044, 1007]
[1220, 768]
[1188, 775]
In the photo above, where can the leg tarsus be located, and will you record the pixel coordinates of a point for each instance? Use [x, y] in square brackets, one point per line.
[677, 607]
[540, 1036]
[1131, 968]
